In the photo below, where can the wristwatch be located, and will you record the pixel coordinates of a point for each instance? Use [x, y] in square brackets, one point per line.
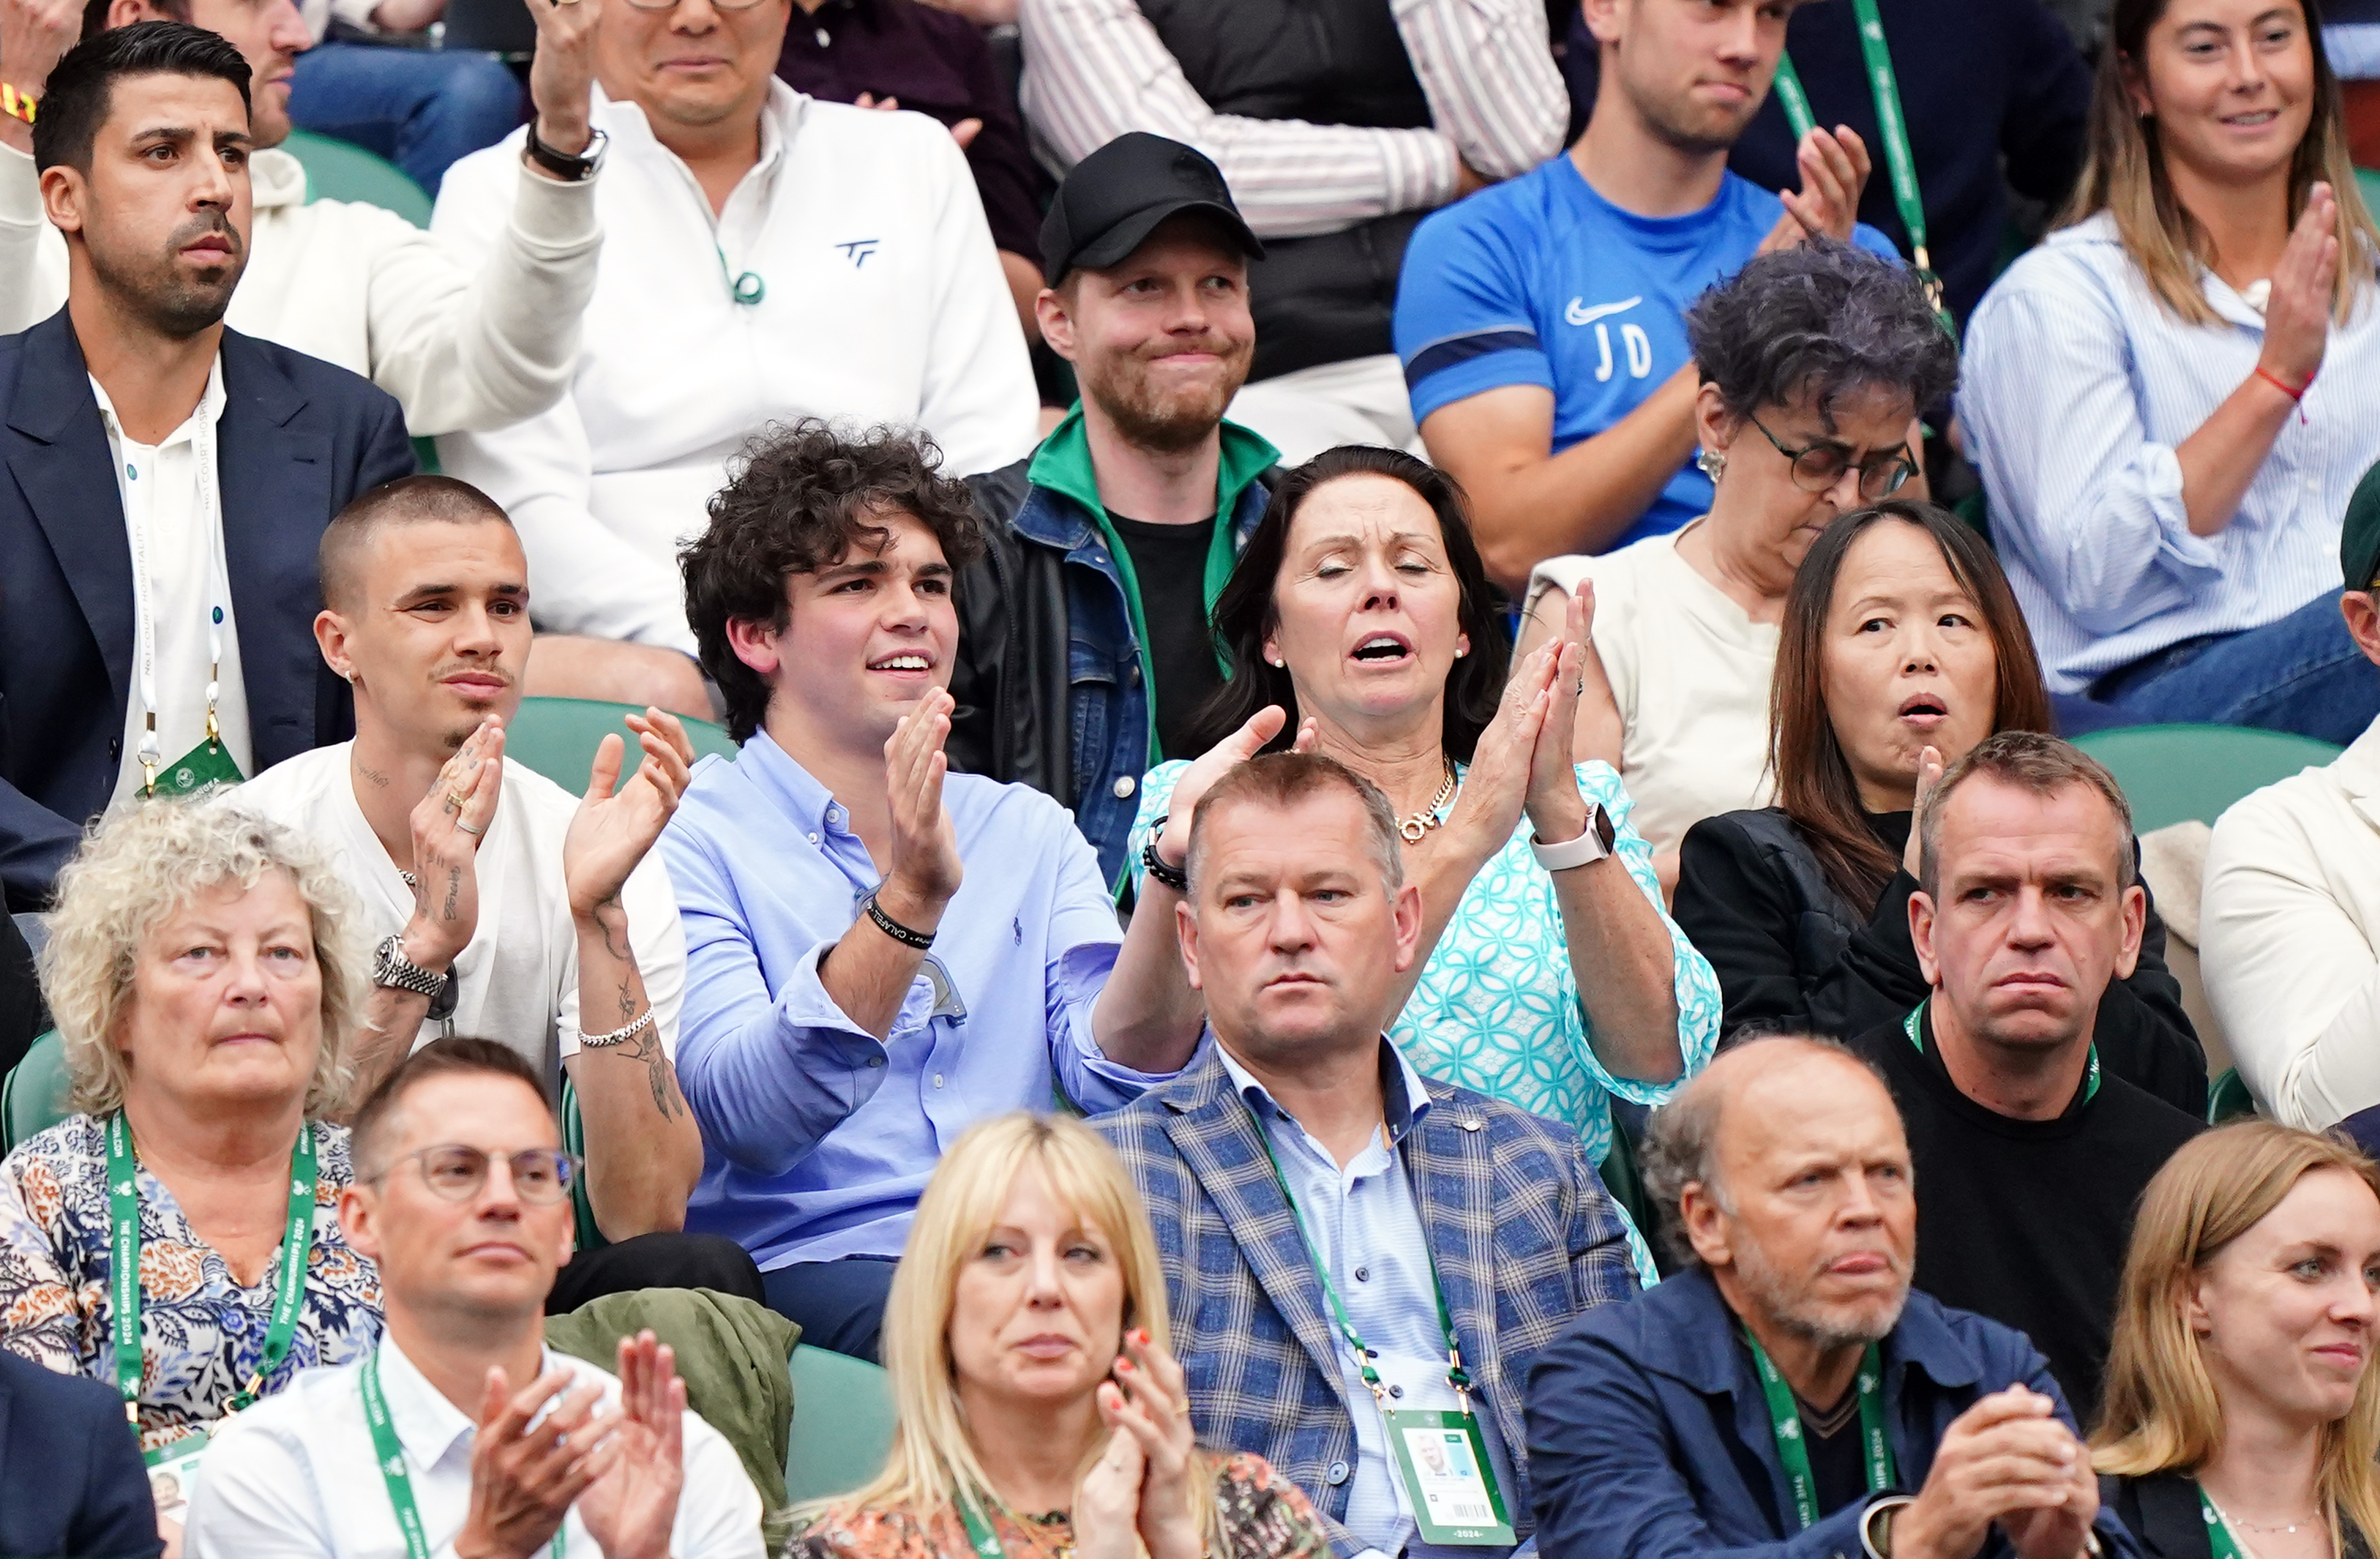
[394, 970]
[1593, 845]
[562, 164]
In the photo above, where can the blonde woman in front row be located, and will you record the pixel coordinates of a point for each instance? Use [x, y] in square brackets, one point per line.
[1042, 1413]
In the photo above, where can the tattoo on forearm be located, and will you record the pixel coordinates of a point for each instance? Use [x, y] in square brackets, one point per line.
[647, 1047]
[614, 923]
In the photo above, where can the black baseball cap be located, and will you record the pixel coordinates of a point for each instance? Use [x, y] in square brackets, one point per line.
[1114, 199]
[2359, 534]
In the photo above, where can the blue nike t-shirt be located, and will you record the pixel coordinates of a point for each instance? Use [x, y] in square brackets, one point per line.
[1542, 281]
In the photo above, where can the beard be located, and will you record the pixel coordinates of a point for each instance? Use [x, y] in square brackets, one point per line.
[1697, 132]
[1167, 422]
[1826, 1324]
[156, 289]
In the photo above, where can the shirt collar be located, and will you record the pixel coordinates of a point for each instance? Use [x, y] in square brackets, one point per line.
[1063, 465]
[427, 1424]
[1404, 1096]
[208, 410]
[781, 115]
[776, 774]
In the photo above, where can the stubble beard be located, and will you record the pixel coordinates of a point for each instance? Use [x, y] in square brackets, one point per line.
[1827, 1326]
[160, 295]
[1166, 424]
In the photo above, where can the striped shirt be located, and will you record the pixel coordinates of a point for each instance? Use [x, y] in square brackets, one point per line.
[2078, 387]
[1097, 68]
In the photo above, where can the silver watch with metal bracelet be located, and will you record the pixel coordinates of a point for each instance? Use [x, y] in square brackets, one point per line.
[394, 970]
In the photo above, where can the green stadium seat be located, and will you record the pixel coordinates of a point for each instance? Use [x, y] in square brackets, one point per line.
[558, 737]
[843, 1424]
[33, 1094]
[574, 1141]
[2172, 773]
[337, 170]
[2229, 1098]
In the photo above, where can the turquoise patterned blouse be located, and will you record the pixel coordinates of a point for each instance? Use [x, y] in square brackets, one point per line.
[1497, 1010]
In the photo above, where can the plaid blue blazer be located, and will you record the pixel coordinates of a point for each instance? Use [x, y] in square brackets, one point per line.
[1522, 1231]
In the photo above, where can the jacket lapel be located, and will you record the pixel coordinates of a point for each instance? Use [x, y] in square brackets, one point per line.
[2172, 1525]
[67, 475]
[1453, 1166]
[1216, 1138]
[275, 487]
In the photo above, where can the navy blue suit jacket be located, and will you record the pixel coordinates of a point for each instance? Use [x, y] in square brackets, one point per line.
[70, 1468]
[297, 440]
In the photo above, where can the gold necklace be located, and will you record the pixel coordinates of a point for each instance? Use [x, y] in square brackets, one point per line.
[1416, 827]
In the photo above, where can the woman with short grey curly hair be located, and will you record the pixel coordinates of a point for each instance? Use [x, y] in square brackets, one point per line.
[1815, 362]
[204, 979]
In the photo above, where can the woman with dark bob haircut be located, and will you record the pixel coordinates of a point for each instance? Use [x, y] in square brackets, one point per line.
[1360, 623]
[1903, 648]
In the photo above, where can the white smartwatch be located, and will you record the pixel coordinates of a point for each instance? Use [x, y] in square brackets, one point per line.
[1592, 846]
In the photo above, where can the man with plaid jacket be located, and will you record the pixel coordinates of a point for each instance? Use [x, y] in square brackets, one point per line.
[1314, 1196]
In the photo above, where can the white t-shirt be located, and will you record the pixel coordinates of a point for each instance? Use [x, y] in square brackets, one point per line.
[1690, 671]
[519, 976]
[172, 523]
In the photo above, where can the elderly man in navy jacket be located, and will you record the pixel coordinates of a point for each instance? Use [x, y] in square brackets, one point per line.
[1788, 1397]
[168, 480]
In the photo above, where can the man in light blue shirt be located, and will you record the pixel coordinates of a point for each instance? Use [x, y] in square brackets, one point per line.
[1313, 1194]
[878, 953]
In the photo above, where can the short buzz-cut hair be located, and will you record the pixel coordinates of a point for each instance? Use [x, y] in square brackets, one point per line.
[451, 1055]
[82, 85]
[799, 500]
[410, 500]
[1284, 779]
[2043, 765]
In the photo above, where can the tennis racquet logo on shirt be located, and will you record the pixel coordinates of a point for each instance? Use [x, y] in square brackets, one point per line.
[1632, 339]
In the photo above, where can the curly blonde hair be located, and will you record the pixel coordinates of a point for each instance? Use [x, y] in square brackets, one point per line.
[140, 866]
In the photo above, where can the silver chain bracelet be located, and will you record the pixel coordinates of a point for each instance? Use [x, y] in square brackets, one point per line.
[604, 1041]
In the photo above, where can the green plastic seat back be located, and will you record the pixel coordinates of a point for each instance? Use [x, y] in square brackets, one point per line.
[2172, 773]
[339, 170]
[558, 738]
[843, 1424]
[2229, 1099]
[574, 1141]
[33, 1095]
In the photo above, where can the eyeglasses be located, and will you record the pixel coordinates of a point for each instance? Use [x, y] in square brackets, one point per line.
[1818, 467]
[541, 1176]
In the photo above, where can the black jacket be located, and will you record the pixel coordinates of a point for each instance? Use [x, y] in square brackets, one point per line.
[2161, 1511]
[71, 1480]
[298, 438]
[1789, 950]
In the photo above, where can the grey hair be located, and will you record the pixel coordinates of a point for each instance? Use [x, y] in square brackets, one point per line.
[1821, 319]
[1284, 779]
[2043, 765]
[136, 869]
[1681, 1145]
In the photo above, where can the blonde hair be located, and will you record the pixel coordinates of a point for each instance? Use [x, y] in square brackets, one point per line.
[2124, 175]
[933, 1463]
[140, 865]
[2160, 1411]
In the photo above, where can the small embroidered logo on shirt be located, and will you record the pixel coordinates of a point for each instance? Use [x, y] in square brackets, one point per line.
[858, 250]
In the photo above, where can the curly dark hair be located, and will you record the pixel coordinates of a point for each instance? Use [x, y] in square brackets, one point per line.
[1821, 319]
[1243, 611]
[800, 498]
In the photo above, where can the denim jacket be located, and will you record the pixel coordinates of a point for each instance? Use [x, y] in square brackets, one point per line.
[1050, 685]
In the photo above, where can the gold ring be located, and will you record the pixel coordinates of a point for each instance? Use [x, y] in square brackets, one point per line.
[455, 802]
[1183, 1411]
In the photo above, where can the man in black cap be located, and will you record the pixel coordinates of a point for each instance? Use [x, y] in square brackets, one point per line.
[1109, 543]
[2290, 913]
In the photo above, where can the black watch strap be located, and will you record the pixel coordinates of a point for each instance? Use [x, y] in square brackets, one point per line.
[1174, 877]
[561, 164]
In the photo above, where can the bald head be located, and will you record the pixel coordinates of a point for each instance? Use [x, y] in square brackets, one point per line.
[413, 500]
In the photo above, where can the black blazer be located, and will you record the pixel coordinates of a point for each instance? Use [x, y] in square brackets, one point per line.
[298, 439]
[2162, 1511]
[71, 1469]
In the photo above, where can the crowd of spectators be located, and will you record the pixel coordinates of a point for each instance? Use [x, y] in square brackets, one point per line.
[1387, 866]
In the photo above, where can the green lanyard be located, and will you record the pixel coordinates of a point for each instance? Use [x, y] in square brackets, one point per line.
[2218, 1530]
[2090, 1078]
[1456, 1376]
[980, 1537]
[1898, 160]
[1785, 1421]
[124, 1274]
[391, 1453]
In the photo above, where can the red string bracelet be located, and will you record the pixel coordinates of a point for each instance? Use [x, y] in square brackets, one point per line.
[2297, 395]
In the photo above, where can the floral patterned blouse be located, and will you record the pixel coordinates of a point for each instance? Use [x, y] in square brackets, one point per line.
[201, 1331]
[1259, 1515]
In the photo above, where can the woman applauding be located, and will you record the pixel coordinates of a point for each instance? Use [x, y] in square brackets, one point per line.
[1042, 1413]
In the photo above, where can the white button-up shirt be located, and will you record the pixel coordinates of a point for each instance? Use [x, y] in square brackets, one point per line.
[2077, 387]
[881, 301]
[173, 524]
[296, 1475]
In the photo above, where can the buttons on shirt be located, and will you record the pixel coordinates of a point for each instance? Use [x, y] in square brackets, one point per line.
[876, 1061]
[938, 1079]
[824, 41]
[1335, 1473]
[1125, 786]
[1132, 674]
[1363, 1275]
[813, 838]
[834, 817]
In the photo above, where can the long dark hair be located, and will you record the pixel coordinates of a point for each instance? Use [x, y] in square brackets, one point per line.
[1815, 784]
[1244, 613]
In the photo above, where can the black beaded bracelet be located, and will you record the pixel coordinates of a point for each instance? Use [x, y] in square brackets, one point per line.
[906, 936]
[1174, 877]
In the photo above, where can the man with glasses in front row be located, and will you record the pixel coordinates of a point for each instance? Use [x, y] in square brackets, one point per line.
[766, 257]
[461, 1433]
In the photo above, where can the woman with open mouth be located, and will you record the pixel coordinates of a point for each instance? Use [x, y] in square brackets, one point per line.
[1902, 648]
[1553, 978]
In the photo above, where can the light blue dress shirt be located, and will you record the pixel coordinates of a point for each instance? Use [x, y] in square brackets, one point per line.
[2077, 386]
[817, 1136]
[1364, 1226]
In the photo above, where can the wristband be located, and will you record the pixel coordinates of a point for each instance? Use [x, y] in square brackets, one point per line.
[906, 936]
[2276, 381]
[1174, 877]
[16, 104]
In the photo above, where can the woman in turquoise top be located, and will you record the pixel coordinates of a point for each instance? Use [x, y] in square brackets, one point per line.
[1360, 608]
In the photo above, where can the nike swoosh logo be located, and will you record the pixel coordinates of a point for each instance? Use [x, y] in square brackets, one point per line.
[1577, 315]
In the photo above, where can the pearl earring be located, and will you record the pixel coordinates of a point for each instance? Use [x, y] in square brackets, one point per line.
[1712, 462]
[1273, 660]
